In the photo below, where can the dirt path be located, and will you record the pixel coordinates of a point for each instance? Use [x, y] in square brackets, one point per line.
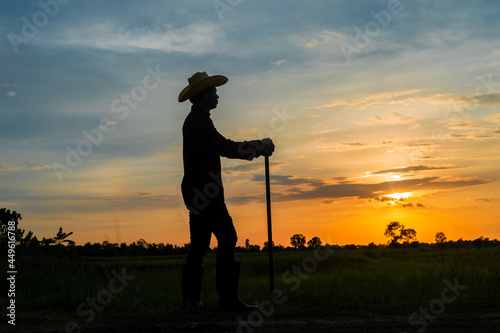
[492, 319]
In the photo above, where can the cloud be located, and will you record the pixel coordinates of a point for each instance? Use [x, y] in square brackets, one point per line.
[250, 168]
[36, 166]
[194, 39]
[412, 97]
[279, 62]
[9, 167]
[323, 38]
[395, 118]
[403, 98]
[411, 169]
[244, 168]
[464, 125]
[415, 144]
[24, 166]
[493, 118]
[153, 196]
[357, 145]
[493, 98]
[103, 203]
[289, 180]
[10, 93]
[459, 137]
[487, 200]
[401, 202]
[354, 144]
[321, 189]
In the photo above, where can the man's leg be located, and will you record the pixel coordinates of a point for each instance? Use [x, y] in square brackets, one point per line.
[227, 271]
[224, 231]
[200, 239]
[192, 272]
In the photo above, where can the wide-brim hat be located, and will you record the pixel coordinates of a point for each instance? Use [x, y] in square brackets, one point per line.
[199, 82]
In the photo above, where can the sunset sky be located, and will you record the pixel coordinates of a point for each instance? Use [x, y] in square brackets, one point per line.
[380, 110]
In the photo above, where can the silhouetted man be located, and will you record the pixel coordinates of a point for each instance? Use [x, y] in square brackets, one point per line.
[203, 193]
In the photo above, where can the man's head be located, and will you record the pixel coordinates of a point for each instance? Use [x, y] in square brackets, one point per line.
[202, 89]
[207, 98]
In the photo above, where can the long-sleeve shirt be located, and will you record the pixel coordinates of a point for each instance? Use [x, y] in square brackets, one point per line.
[202, 147]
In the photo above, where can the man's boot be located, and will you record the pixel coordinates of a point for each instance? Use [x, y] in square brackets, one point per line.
[227, 279]
[191, 289]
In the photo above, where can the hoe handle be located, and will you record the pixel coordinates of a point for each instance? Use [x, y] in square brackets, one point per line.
[269, 231]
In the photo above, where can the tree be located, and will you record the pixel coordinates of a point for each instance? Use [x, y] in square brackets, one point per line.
[47, 241]
[397, 231]
[61, 238]
[314, 242]
[298, 241]
[393, 231]
[266, 246]
[440, 239]
[408, 234]
[478, 242]
[7, 216]
[252, 248]
[142, 243]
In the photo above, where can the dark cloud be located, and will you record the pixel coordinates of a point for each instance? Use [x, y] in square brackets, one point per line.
[413, 144]
[24, 166]
[289, 180]
[322, 190]
[412, 168]
[401, 202]
[244, 167]
[353, 144]
[487, 199]
[487, 98]
[474, 136]
[464, 125]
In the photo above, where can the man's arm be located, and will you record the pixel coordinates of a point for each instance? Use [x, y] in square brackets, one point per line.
[247, 150]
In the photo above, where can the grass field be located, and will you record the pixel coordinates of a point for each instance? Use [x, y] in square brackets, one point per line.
[378, 290]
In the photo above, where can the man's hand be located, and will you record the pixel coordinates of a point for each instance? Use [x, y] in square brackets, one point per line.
[268, 147]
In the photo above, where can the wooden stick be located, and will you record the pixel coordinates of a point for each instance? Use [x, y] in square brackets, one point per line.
[269, 231]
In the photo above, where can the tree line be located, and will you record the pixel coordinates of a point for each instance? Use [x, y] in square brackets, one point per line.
[28, 244]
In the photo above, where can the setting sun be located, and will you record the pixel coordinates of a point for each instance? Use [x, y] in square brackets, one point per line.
[399, 196]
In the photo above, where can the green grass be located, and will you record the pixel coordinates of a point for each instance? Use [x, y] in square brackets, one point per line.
[349, 290]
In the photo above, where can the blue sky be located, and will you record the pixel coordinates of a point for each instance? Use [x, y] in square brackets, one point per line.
[363, 98]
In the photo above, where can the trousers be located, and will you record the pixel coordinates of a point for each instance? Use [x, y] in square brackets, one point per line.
[214, 219]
